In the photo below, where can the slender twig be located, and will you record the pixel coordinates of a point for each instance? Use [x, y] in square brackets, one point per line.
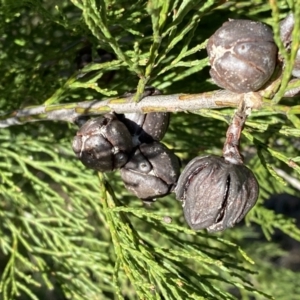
[231, 151]
[290, 179]
[69, 112]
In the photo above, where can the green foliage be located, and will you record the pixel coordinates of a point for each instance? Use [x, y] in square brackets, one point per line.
[69, 233]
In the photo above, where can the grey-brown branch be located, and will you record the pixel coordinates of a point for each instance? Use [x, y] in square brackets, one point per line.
[69, 112]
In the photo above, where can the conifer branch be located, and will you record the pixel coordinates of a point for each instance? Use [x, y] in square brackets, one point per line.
[173, 103]
[67, 233]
